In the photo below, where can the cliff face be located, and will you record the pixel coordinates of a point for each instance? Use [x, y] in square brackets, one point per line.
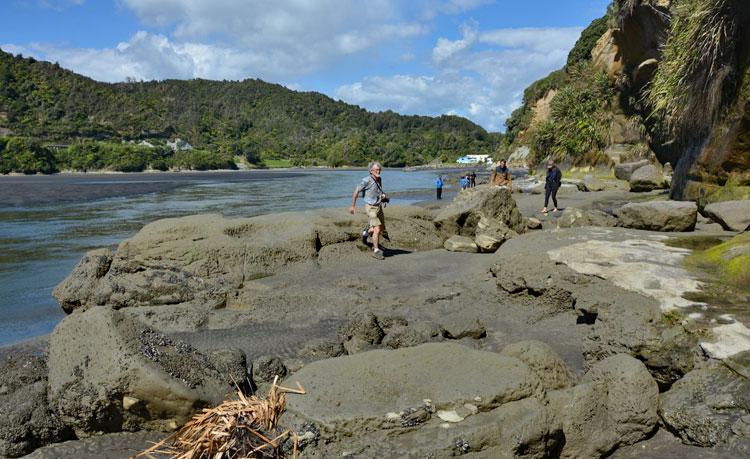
[682, 66]
[679, 93]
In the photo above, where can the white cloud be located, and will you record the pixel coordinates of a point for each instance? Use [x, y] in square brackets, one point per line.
[446, 49]
[484, 85]
[300, 35]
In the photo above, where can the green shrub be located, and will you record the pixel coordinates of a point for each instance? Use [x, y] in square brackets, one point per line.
[581, 51]
[26, 156]
[579, 118]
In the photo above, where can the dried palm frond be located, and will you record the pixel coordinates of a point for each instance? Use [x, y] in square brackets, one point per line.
[242, 428]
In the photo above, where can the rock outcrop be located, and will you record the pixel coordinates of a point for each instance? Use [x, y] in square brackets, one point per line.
[203, 258]
[484, 203]
[659, 215]
[109, 372]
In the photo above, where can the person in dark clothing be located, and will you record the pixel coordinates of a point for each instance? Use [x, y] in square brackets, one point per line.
[439, 187]
[551, 185]
[472, 179]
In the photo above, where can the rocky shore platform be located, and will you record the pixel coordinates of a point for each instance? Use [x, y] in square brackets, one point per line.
[490, 330]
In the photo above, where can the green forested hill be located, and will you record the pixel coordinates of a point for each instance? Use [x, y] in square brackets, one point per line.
[45, 103]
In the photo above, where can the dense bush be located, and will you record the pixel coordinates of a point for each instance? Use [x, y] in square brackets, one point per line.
[579, 119]
[582, 49]
[25, 156]
[250, 118]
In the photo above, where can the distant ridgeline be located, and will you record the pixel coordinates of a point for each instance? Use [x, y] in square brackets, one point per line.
[665, 80]
[53, 119]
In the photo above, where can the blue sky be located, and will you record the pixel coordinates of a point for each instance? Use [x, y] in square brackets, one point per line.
[467, 57]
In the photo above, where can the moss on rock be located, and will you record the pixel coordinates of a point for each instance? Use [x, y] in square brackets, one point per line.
[730, 260]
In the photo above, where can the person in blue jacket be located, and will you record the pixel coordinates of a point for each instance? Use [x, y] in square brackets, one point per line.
[439, 187]
[464, 182]
[551, 185]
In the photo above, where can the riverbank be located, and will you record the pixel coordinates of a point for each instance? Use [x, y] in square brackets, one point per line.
[310, 293]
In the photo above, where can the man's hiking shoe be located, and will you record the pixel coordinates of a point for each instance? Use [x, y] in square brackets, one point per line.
[378, 254]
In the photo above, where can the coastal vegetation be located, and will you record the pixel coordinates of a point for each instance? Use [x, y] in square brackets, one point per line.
[223, 120]
[578, 120]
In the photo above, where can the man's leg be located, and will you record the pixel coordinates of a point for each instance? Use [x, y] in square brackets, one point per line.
[554, 198]
[376, 237]
[547, 192]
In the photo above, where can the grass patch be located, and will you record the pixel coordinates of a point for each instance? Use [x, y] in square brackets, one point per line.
[277, 163]
[699, 71]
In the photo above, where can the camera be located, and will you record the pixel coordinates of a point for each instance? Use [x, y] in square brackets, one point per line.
[385, 199]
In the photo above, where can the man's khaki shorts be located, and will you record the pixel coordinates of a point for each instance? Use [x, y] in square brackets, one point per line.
[375, 215]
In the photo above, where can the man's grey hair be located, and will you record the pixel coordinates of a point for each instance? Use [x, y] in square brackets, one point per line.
[373, 164]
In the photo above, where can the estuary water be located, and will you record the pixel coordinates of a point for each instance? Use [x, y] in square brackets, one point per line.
[48, 222]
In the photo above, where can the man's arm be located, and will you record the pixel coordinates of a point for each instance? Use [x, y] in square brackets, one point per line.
[354, 201]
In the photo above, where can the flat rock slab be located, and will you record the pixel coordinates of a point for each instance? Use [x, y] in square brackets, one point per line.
[659, 215]
[732, 215]
[357, 389]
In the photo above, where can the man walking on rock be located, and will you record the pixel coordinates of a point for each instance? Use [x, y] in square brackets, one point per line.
[371, 189]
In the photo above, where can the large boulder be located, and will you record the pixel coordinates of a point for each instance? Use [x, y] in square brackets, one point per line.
[109, 372]
[711, 406]
[659, 215]
[201, 259]
[732, 215]
[647, 178]
[573, 218]
[27, 421]
[356, 391]
[462, 216]
[616, 404]
[625, 170]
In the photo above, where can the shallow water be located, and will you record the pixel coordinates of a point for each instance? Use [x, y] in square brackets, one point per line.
[48, 222]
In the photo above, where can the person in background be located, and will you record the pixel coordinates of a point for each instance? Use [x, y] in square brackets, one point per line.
[501, 176]
[371, 189]
[464, 182]
[472, 179]
[551, 185]
[439, 187]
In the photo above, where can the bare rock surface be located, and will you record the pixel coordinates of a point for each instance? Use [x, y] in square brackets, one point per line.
[647, 178]
[732, 215]
[461, 244]
[109, 372]
[624, 171]
[353, 391]
[462, 216]
[659, 215]
[615, 404]
[200, 259]
[573, 218]
[551, 370]
[711, 406]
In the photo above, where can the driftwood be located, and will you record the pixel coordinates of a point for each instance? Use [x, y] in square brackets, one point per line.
[236, 429]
